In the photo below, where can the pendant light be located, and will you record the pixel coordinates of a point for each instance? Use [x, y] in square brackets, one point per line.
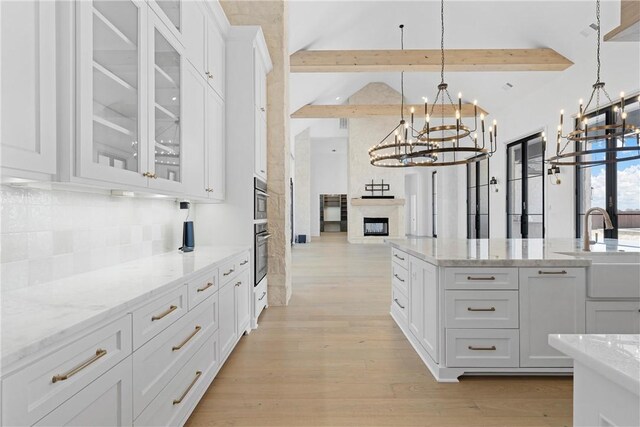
[399, 148]
[441, 140]
[575, 148]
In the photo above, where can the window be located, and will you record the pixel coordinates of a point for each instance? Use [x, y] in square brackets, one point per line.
[525, 188]
[478, 199]
[613, 186]
[434, 204]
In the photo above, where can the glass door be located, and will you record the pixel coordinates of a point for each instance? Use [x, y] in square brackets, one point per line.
[166, 147]
[525, 188]
[111, 91]
[478, 200]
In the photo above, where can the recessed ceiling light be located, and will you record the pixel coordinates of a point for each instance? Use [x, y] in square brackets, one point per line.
[337, 98]
[174, 98]
[333, 150]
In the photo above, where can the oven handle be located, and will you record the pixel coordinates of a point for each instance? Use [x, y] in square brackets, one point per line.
[264, 236]
[262, 193]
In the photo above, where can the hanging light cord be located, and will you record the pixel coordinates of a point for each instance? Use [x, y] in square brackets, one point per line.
[402, 74]
[442, 41]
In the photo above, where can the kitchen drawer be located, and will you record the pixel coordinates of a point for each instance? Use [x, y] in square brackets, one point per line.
[202, 287]
[400, 277]
[484, 348]
[104, 402]
[184, 391]
[261, 296]
[156, 362]
[481, 309]
[153, 318]
[400, 258]
[481, 278]
[231, 268]
[33, 392]
[400, 306]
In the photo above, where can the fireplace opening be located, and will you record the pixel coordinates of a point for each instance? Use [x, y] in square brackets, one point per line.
[376, 226]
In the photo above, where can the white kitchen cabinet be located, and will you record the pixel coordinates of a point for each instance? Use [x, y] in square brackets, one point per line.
[28, 79]
[243, 287]
[112, 92]
[552, 301]
[423, 305]
[107, 401]
[216, 52]
[215, 147]
[227, 330]
[613, 317]
[171, 13]
[260, 102]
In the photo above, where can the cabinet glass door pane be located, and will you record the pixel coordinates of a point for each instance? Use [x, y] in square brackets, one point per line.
[115, 84]
[167, 135]
[171, 8]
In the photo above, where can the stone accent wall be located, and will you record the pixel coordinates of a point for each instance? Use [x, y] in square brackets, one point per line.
[302, 184]
[272, 16]
[364, 133]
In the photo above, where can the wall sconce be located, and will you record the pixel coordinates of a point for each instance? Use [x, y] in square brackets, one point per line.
[553, 172]
[493, 184]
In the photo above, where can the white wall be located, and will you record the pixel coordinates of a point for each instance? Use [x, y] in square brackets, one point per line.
[52, 234]
[540, 110]
[302, 184]
[328, 173]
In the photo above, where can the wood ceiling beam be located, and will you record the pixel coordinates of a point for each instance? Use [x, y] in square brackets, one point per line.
[340, 61]
[629, 28]
[376, 110]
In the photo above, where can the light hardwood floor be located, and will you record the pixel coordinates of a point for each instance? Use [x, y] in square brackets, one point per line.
[334, 357]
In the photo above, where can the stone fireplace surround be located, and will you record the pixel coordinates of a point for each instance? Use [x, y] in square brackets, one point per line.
[375, 208]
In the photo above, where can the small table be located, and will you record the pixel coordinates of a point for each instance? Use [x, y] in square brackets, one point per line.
[606, 377]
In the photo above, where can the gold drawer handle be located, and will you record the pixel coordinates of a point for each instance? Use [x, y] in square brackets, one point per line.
[552, 272]
[492, 348]
[193, 334]
[205, 287]
[398, 277]
[262, 297]
[228, 272]
[244, 262]
[99, 353]
[399, 257]
[399, 305]
[165, 313]
[481, 278]
[481, 309]
[181, 398]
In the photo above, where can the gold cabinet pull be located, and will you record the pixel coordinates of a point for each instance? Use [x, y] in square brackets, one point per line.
[262, 297]
[181, 398]
[164, 313]
[492, 348]
[398, 277]
[99, 353]
[228, 272]
[205, 287]
[397, 302]
[481, 278]
[481, 309]
[552, 272]
[187, 339]
[399, 257]
[244, 262]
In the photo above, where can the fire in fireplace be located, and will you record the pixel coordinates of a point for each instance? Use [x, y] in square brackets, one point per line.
[376, 226]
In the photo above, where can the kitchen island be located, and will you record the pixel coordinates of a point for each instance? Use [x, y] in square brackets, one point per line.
[488, 306]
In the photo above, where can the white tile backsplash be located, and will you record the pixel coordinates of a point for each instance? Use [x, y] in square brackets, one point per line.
[52, 234]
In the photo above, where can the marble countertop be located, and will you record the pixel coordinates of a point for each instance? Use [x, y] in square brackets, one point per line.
[506, 252]
[38, 316]
[614, 356]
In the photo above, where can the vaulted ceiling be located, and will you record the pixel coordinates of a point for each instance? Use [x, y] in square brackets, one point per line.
[343, 25]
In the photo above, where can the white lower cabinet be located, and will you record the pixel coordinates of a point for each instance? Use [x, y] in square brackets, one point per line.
[423, 305]
[496, 348]
[227, 329]
[613, 317]
[552, 301]
[105, 402]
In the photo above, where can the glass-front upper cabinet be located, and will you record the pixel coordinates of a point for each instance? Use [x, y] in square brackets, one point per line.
[165, 148]
[111, 91]
[170, 11]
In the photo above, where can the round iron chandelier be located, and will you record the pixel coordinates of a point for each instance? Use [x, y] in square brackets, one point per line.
[575, 148]
[399, 148]
[440, 142]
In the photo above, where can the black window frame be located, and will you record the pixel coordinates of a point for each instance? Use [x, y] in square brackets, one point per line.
[611, 174]
[524, 216]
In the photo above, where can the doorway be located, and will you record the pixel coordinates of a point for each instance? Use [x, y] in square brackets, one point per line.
[333, 213]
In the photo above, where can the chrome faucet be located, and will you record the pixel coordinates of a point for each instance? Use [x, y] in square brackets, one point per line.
[586, 243]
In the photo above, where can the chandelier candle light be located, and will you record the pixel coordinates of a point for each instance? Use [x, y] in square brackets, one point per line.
[575, 149]
[441, 144]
